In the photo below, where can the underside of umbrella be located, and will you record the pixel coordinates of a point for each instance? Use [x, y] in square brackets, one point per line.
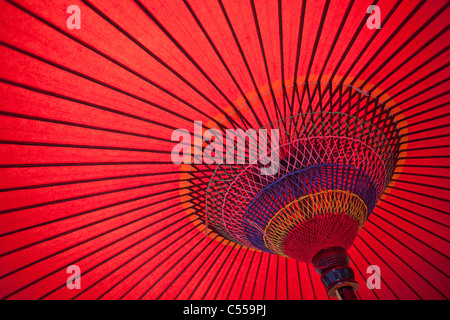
[341, 110]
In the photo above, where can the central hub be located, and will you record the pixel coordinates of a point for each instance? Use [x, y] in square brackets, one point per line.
[330, 164]
[336, 158]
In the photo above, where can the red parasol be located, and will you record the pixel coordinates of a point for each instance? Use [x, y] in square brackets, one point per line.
[92, 91]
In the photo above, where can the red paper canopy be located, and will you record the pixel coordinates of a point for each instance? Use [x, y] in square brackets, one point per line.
[86, 122]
